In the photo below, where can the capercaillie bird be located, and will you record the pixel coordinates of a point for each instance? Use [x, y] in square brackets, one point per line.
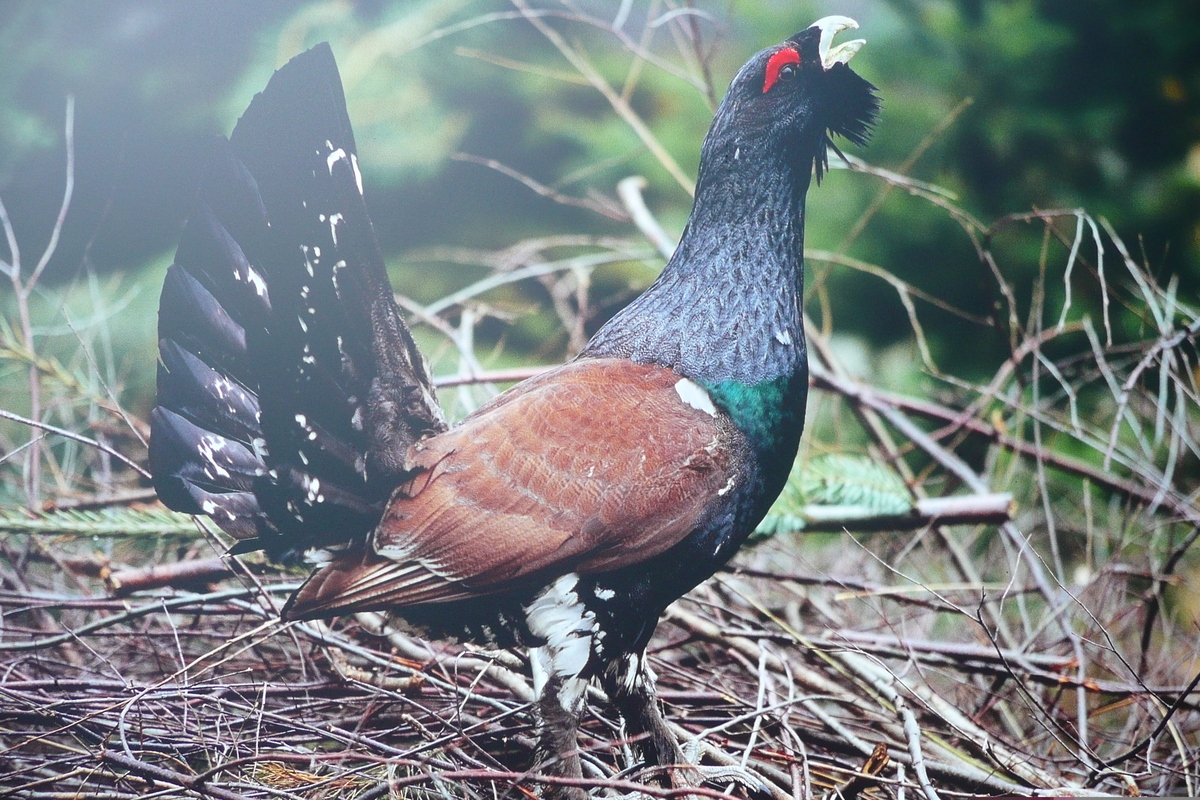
[564, 515]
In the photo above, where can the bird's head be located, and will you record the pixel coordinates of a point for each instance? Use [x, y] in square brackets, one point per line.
[788, 99]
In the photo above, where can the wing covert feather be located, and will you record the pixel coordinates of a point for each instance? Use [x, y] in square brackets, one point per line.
[590, 467]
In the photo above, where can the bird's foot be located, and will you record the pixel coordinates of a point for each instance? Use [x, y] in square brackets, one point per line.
[690, 773]
[697, 774]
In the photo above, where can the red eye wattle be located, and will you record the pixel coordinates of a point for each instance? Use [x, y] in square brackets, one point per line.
[785, 56]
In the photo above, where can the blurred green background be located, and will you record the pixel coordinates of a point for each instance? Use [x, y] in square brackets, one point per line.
[1011, 105]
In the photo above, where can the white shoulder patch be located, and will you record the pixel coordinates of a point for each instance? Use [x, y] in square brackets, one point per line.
[691, 394]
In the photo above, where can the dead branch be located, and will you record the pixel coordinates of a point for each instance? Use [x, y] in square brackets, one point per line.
[177, 575]
[979, 509]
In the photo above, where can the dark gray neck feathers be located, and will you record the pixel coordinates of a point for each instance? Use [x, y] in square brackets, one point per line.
[727, 305]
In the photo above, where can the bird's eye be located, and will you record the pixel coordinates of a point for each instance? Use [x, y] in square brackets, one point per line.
[781, 66]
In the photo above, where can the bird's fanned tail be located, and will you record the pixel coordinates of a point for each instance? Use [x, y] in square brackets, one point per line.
[289, 387]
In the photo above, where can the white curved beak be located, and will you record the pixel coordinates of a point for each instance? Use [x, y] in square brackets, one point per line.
[831, 27]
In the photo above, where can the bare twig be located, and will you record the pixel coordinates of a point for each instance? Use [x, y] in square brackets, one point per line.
[630, 192]
[66, 434]
[608, 209]
[618, 103]
[979, 509]
[22, 289]
[178, 574]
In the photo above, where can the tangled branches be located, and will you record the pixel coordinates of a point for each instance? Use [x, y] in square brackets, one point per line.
[971, 586]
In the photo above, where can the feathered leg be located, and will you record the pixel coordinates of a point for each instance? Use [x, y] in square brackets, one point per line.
[560, 701]
[630, 687]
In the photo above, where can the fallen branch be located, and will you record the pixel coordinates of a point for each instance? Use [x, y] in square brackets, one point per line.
[156, 774]
[979, 509]
[191, 574]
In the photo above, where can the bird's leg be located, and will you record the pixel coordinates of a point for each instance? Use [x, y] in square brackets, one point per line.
[629, 684]
[559, 707]
[630, 687]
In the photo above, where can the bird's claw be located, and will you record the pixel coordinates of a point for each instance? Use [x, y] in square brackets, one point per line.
[692, 749]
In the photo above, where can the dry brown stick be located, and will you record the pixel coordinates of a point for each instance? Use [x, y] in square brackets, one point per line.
[957, 651]
[177, 574]
[868, 672]
[500, 668]
[964, 772]
[897, 594]
[884, 682]
[630, 191]
[22, 289]
[498, 776]
[978, 509]
[165, 604]
[1149, 739]
[977, 658]
[1011, 760]
[154, 773]
[902, 171]
[954, 464]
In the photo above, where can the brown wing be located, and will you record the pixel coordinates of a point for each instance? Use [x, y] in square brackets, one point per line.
[590, 467]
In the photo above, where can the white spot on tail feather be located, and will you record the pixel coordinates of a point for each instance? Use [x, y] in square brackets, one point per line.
[256, 280]
[318, 557]
[208, 448]
[312, 489]
[334, 157]
[357, 174]
[333, 223]
[694, 396]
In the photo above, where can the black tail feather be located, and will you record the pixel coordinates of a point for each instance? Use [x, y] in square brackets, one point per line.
[201, 472]
[289, 387]
[210, 399]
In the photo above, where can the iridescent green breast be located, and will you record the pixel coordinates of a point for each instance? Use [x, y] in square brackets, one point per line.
[770, 413]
